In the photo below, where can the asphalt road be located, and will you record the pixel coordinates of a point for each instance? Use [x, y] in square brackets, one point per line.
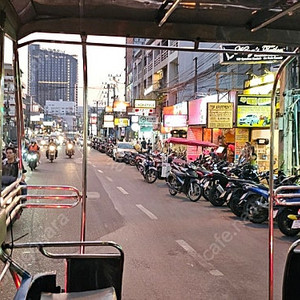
[174, 248]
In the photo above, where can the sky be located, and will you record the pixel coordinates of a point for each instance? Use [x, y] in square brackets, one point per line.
[102, 61]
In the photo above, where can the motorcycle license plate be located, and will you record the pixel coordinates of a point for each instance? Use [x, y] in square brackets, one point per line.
[296, 224]
[229, 196]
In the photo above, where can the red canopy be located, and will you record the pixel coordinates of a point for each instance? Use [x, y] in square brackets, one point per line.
[183, 141]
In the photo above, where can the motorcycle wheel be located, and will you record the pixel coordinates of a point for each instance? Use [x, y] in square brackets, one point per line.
[195, 193]
[253, 210]
[132, 162]
[206, 192]
[285, 224]
[214, 197]
[234, 205]
[151, 176]
[140, 167]
[172, 182]
[70, 155]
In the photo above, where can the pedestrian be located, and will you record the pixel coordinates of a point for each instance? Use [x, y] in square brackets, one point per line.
[144, 144]
[149, 146]
[10, 169]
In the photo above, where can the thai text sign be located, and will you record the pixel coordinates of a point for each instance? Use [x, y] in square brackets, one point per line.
[220, 115]
[144, 103]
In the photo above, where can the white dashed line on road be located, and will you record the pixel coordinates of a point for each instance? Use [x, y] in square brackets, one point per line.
[100, 171]
[147, 212]
[109, 179]
[202, 262]
[122, 190]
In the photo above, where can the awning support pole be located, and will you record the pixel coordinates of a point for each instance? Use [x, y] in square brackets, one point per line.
[271, 172]
[85, 136]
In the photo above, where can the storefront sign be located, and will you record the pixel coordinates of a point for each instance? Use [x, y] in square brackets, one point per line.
[108, 124]
[220, 115]
[253, 111]
[108, 118]
[122, 122]
[197, 112]
[120, 106]
[251, 58]
[93, 119]
[144, 103]
[180, 108]
[175, 121]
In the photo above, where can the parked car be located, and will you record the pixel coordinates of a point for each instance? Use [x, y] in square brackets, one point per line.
[249, 119]
[120, 149]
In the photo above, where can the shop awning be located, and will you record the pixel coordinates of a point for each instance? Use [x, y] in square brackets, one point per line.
[188, 142]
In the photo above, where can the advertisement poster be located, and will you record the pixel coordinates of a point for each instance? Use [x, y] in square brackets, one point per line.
[220, 115]
[241, 137]
[253, 111]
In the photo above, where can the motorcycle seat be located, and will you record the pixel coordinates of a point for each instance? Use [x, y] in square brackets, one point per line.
[102, 294]
[178, 173]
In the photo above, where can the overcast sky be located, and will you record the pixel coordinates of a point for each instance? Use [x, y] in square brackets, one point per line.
[102, 61]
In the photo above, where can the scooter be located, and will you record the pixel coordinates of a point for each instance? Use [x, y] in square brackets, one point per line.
[148, 170]
[52, 153]
[32, 160]
[185, 181]
[70, 149]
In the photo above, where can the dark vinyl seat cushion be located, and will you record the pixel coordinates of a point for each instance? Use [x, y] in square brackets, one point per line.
[102, 294]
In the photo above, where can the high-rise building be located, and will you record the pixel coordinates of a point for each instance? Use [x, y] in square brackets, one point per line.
[52, 75]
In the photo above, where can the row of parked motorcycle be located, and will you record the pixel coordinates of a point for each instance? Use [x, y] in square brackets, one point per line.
[241, 187]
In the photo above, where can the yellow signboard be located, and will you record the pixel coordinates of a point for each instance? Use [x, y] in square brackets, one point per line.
[121, 122]
[220, 115]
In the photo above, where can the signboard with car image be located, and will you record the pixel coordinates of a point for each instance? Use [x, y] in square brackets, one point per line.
[253, 111]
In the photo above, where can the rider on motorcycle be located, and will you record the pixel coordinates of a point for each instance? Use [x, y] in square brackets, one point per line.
[51, 143]
[70, 147]
[34, 147]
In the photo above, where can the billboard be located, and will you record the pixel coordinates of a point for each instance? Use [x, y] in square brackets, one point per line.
[253, 111]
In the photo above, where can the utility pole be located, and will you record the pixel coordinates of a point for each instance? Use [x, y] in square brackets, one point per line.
[196, 79]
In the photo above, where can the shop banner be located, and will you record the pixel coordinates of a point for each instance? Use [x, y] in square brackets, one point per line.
[175, 121]
[220, 115]
[197, 112]
[253, 111]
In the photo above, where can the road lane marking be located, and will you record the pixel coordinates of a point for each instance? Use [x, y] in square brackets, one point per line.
[100, 171]
[147, 212]
[92, 195]
[202, 262]
[122, 190]
[109, 179]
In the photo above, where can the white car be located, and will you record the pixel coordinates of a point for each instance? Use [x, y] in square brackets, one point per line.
[120, 149]
[249, 119]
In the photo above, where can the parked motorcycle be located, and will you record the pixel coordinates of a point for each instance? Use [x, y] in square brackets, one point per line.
[148, 170]
[32, 160]
[185, 181]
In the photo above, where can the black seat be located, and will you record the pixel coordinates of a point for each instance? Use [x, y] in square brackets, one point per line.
[291, 287]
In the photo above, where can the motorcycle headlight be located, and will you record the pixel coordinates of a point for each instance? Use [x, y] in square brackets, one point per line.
[70, 146]
[52, 148]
